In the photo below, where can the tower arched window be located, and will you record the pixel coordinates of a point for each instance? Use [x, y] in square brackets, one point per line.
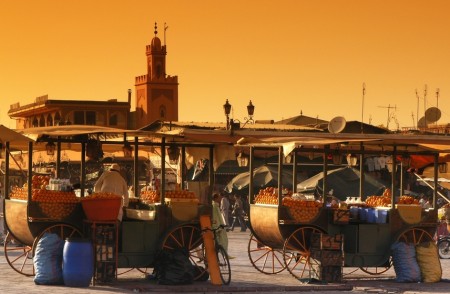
[57, 118]
[158, 71]
[162, 112]
[49, 120]
[42, 121]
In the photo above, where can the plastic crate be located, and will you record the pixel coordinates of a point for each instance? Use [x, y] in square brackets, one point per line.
[328, 257]
[321, 241]
[331, 274]
[341, 216]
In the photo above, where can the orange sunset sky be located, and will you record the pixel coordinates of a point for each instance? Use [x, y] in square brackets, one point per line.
[286, 56]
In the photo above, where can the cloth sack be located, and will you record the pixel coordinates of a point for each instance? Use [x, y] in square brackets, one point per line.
[429, 263]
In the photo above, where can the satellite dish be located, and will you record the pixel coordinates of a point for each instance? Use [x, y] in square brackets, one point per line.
[432, 114]
[422, 123]
[336, 125]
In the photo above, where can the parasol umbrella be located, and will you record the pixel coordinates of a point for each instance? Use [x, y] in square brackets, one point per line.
[344, 182]
[263, 176]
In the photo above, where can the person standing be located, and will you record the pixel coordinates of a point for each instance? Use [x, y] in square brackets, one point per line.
[113, 182]
[218, 222]
[238, 214]
[225, 209]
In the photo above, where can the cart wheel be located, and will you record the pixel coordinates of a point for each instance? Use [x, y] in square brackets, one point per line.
[378, 270]
[62, 230]
[188, 237]
[297, 256]
[415, 236]
[444, 248]
[18, 256]
[264, 258]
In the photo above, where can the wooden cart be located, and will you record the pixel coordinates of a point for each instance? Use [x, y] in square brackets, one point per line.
[140, 237]
[279, 241]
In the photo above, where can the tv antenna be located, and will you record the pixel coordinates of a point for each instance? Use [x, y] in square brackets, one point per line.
[417, 117]
[389, 107]
[362, 110]
[425, 101]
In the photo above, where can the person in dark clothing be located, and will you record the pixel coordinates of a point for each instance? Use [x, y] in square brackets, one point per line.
[238, 214]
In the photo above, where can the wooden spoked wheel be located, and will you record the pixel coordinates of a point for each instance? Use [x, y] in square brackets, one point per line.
[378, 270]
[264, 258]
[297, 254]
[18, 256]
[62, 230]
[412, 236]
[415, 236]
[190, 238]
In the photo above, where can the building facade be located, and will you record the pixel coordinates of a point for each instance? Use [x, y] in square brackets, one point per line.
[44, 112]
[156, 95]
[156, 92]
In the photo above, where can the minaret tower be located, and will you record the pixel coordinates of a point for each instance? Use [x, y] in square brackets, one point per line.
[156, 92]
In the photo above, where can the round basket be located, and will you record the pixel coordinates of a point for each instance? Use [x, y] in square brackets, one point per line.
[304, 214]
[56, 210]
[101, 209]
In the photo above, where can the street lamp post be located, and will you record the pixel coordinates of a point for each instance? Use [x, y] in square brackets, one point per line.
[231, 122]
[227, 109]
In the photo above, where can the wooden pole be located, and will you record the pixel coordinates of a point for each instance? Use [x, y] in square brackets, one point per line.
[210, 250]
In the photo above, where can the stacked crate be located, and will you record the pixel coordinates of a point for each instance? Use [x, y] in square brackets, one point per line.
[328, 251]
[105, 241]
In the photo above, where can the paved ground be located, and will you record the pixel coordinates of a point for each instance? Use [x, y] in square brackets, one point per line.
[245, 279]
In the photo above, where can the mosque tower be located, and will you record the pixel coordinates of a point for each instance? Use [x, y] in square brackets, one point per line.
[156, 92]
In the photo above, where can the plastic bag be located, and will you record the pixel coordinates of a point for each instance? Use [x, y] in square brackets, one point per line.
[174, 268]
[405, 263]
[48, 260]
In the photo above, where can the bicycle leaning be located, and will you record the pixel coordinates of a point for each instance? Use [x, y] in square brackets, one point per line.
[443, 245]
[222, 257]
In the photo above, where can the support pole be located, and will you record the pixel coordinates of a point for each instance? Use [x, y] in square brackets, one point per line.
[210, 251]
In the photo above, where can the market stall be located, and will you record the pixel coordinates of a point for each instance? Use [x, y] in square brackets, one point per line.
[293, 231]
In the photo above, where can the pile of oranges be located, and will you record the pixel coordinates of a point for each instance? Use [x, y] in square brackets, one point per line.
[18, 193]
[40, 181]
[407, 200]
[150, 196]
[302, 210]
[100, 195]
[266, 199]
[181, 194]
[378, 201]
[269, 195]
[55, 204]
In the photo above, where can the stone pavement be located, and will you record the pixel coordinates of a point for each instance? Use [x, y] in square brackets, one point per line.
[245, 279]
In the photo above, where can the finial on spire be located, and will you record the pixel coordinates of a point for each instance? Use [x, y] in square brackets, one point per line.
[156, 29]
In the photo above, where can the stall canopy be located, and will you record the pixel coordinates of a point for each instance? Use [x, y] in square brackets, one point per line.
[8, 135]
[344, 181]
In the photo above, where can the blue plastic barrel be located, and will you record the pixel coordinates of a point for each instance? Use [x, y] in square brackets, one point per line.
[362, 214]
[382, 216]
[78, 262]
[371, 217]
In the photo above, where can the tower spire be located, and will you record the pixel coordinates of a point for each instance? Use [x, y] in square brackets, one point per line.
[156, 28]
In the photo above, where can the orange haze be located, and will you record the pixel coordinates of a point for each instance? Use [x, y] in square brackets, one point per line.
[287, 56]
